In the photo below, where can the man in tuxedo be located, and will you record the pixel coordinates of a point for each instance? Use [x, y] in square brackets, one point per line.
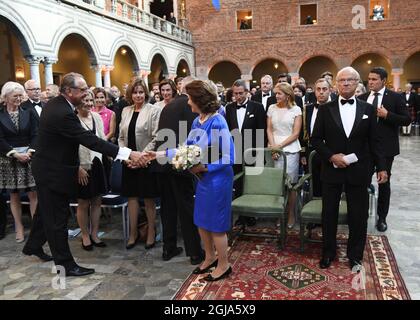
[391, 113]
[285, 77]
[413, 105]
[247, 122]
[34, 103]
[177, 188]
[322, 93]
[55, 168]
[265, 93]
[330, 77]
[345, 136]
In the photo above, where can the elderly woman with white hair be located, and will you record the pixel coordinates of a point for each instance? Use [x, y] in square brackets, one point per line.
[18, 131]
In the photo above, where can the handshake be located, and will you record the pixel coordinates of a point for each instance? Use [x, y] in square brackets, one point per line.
[140, 159]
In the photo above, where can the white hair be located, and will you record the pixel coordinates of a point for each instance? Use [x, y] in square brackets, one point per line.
[186, 81]
[267, 76]
[26, 84]
[349, 69]
[10, 87]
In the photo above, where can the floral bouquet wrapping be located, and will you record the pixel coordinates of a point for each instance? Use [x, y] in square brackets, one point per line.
[186, 157]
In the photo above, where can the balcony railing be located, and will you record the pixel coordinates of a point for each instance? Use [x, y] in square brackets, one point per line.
[127, 13]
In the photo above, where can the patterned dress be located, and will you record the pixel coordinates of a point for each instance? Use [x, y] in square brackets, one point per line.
[15, 176]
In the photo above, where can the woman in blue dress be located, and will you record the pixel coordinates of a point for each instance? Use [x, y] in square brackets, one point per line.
[213, 197]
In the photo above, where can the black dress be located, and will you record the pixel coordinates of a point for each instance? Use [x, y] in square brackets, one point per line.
[96, 182]
[140, 182]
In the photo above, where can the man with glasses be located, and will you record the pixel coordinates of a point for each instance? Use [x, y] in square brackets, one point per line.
[34, 103]
[247, 122]
[55, 168]
[345, 137]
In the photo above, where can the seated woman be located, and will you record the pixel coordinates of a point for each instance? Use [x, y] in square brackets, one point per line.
[284, 122]
[138, 127]
[18, 131]
[91, 178]
[213, 197]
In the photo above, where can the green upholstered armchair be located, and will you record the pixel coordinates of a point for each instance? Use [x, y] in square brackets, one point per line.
[311, 211]
[265, 191]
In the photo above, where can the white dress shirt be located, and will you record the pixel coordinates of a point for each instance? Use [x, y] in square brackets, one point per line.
[240, 115]
[264, 99]
[380, 96]
[37, 108]
[348, 114]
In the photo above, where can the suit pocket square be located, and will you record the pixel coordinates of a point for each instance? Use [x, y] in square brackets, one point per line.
[251, 116]
[365, 117]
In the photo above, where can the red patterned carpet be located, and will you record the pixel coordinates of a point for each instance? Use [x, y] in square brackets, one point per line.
[262, 272]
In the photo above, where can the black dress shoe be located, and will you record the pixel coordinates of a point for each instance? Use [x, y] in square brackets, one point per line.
[382, 226]
[325, 262]
[78, 271]
[209, 277]
[354, 262]
[205, 270]
[132, 245]
[196, 259]
[149, 246]
[99, 244]
[41, 255]
[169, 254]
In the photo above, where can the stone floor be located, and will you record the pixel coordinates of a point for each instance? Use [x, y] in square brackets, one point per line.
[140, 274]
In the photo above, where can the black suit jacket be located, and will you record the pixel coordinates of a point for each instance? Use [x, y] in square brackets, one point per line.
[27, 105]
[388, 129]
[413, 101]
[329, 138]
[306, 130]
[255, 118]
[171, 117]
[56, 160]
[11, 137]
[258, 98]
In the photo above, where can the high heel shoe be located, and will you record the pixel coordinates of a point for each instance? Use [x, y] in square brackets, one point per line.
[100, 244]
[205, 270]
[20, 239]
[209, 277]
[132, 245]
[89, 247]
[149, 246]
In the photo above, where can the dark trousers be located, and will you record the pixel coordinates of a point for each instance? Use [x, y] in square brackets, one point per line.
[177, 200]
[384, 191]
[357, 208]
[50, 224]
[3, 218]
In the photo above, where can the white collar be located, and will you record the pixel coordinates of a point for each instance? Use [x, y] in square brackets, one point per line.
[381, 92]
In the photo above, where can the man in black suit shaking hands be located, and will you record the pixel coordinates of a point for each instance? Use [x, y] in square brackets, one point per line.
[345, 137]
[55, 168]
[392, 113]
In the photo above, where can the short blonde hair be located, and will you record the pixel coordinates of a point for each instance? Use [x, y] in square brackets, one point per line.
[287, 89]
[10, 87]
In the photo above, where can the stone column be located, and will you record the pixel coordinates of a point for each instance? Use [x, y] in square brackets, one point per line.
[98, 75]
[247, 78]
[396, 74]
[34, 66]
[107, 76]
[48, 63]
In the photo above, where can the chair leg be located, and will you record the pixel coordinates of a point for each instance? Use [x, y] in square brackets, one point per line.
[302, 237]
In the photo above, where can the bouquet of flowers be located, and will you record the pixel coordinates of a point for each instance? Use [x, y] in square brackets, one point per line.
[186, 157]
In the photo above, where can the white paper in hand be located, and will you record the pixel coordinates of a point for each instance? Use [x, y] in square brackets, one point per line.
[349, 159]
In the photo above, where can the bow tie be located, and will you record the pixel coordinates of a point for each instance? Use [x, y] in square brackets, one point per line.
[344, 101]
[239, 106]
[37, 104]
[316, 105]
[266, 94]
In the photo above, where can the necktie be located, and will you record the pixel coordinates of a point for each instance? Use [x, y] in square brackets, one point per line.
[375, 103]
[344, 101]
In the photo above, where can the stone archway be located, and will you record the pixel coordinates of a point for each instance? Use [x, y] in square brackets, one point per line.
[312, 68]
[13, 50]
[75, 55]
[411, 70]
[125, 66]
[183, 70]
[226, 72]
[158, 69]
[364, 63]
[270, 66]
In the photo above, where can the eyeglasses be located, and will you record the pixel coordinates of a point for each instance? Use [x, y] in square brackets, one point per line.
[81, 89]
[34, 89]
[346, 80]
